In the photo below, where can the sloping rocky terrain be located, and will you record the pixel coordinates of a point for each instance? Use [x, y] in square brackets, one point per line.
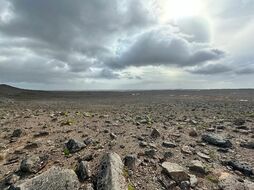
[151, 140]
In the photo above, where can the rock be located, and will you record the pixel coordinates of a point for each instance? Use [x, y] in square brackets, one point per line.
[242, 167]
[239, 121]
[169, 144]
[197, 167]
[130, 161]
[193, 180]
[143, 144]
[155, 134]
[204, 156]
[31, 145]
[53, 179]
[2, 156]
[230, 182]
[210, 129]
[87, 158]
[74, 145]
[216, 140]
[185, 185]
[249, 184]
[150, 153]
[33, 164]
[88, 141]
[11, 179]
[175, 171]
[167, 182]
[187, 149]
[41, 134]
[193, 133]
[249, 145]
[168, 155]
[112, 136]
[89, 186]
[16, 133]
[83, 172]
[110, 174]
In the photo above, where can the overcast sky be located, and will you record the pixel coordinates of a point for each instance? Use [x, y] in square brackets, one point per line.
[127, 44]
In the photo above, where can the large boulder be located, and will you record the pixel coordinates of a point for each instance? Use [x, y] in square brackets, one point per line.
[216, 140]
[110, 174]
[53, 179]
[175, 171]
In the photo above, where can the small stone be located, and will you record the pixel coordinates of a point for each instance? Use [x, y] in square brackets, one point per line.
[187, 150]
[88, 141]
[12, 179]
[169, 144]
[150, 153]
[130, 161]
[193, 133]
[83, 172]
[89, 186]
[239, 121]
[2, 156]
[197, 167]
[31, 145]
[168, 155]
[204, 156]
[74, 145]
[175, 171]
[33, 164]
[112, 136]
[16, 133]
[41, 134]
[193, 180]
[155, 134]
[143, 144]
[167, 182]
[185, 185]
[210, 129]
[249, 145]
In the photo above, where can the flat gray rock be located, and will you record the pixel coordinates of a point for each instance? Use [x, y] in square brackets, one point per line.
[53, 179]
[175, 171]
[216, 140]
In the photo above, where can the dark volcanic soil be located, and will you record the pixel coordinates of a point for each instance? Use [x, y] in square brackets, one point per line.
[131, 116]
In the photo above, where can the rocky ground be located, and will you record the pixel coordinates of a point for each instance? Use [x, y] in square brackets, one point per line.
[150, 140]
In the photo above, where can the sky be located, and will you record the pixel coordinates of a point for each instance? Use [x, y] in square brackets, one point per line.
[127, 44]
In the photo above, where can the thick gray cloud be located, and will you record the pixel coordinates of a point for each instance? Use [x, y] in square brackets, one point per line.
[210, 69]
[55, 42]
[164, 47]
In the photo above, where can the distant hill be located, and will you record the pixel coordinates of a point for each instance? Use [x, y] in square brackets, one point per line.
[9, 90]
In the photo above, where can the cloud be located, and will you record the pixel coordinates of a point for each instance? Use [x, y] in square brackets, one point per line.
[210, 69]
[79, 35]
[163, 46]
[76, 42]
[197, 27]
